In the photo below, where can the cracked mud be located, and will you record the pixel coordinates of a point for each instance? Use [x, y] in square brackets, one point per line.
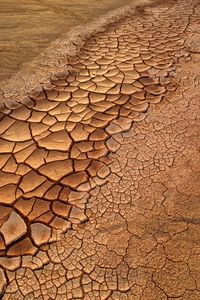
[100, 168]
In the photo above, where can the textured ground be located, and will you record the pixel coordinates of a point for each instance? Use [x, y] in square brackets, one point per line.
[28, 26]
[100, 169]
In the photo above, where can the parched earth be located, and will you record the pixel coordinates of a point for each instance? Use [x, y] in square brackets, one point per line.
[100, 169]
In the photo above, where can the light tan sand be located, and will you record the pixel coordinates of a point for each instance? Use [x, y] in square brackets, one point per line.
[54, 57]
[28, 26]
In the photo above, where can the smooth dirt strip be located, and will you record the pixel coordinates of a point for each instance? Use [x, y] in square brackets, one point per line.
[27, 27]
[36, 70]
[100, 168]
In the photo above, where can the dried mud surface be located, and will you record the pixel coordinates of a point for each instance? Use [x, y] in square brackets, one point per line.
[100, 168]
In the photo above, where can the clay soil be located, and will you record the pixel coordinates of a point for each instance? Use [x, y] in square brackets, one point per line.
[100, 166]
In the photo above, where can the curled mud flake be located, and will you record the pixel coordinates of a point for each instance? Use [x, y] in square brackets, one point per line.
[3, 281]
[155, 89]
[56, 141]
[8, 194]
[75, 180]
[56, 170]
[10, 263]
[23, 247]
[18, 132]
[14, 228]
[40, 233]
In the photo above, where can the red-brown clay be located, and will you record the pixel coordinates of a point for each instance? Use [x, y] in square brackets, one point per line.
[99, 181]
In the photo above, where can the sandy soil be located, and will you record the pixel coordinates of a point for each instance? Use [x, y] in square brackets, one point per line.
[99, 168]
[28, 26]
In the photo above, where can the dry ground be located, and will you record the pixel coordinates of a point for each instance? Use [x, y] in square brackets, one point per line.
[28, 26]
[100, 169]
